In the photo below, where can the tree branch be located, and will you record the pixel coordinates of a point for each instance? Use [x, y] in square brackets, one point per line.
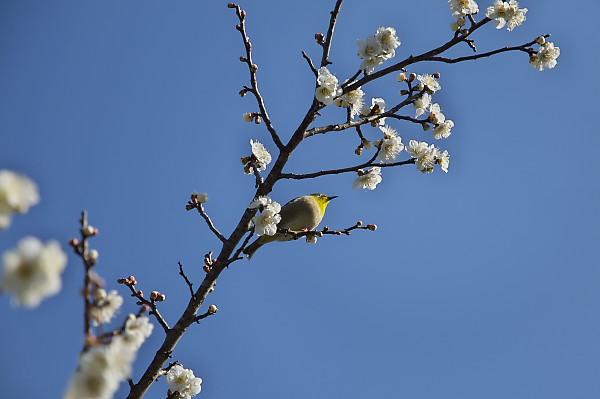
[332, 21]
[253, 68]
[344, 170]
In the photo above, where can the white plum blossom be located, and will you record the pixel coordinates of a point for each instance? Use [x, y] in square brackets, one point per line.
[96, 377]
[430, 82]
[265, 223]
[377, 48]
[101, 369]
[391, 145]
[506, 13]
[389, 41]
[105, 306]
[435, 114]
[545, 57]
[183, 381]
[443, 160]
[137, 330]
[443, 130]
[354, 100]
[461, 8]
[328, 88]
[263, 157]
[368, 179]
[17, 194]
[380, 103]
[32, 271]
[426, 156]
[422, 103]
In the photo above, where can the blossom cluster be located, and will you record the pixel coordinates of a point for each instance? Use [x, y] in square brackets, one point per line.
[182, 380]
[104, 366]
[427, 155]
[506, 13]
[265, 223]
[546, 55]
[17, 194]
[106, 304]
[377, 48]
[32, 271]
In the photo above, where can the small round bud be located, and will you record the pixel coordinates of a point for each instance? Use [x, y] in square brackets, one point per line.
[243, 59]
[426, 127]
[378, 143]
[311, 238]
[320, 38]
[89, 231]
[412, 77]
[73, 242]
[437, 75]
[419, 87]
[454, 26]
[245, 160]
[132, 280]
[404, 92]
[243, 92]
[461, 22]
[212, 309]
[258, 120]
[231, 5]
[92, 256]
[248, 117]
[464, 32]
[533, 59]
[206, 268]
[248, 169]
[238, 27]
[254, 68]
[359, 150]
[372, 227]
[540, 40]
[243, 14]
[100, 294]
[401, 77]
[202, 198]
[359, 223]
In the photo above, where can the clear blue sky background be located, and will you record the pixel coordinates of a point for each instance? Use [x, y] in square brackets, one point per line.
[482, 283]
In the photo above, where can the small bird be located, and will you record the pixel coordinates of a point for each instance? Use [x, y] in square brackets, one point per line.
[302, 213]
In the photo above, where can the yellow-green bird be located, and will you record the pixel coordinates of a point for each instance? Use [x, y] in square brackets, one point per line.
[302, 213]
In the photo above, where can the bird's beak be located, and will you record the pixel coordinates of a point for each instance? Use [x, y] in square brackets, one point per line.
[330, 198]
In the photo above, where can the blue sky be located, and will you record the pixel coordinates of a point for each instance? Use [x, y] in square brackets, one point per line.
[482, 282]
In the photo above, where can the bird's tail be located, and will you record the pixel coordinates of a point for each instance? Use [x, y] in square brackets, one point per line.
[252, 248]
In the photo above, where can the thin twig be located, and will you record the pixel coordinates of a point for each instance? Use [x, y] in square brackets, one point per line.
[130, 283]
[343, 170]
[326, 231]
[194, 203]
[252, 67]
[187, 281]
[332, 21]
[310, 64]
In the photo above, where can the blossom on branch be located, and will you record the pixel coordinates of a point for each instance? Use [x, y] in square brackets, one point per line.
[443, 129]
[368, 179]
[263, 157]
[390, 146]
[137, 330]
[506, 13]
[265, 223]
[328, 88]
[462, 8]
[421, 104]
[354, 100]
[426, 156]
[183, 381]
[377, 48]
[105, 306]
[32, 271]
[429, 82]
[17, 194]
[545, 57]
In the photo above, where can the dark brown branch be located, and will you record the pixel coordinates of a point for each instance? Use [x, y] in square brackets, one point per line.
[253, 68]
[523, 47]
[310, 64]
[332, 21]
[326, 231]
[414, 59]
[343, 170]
[151, 304]
[187, 281]
[194, 203]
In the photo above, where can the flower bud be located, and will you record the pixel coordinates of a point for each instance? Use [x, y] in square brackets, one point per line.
[243, 59]
[366, 143]
[89, 231]
[92, 256]
[248, 117]
[412, 77]
[243, 92]
[404, 92]
[540, 40]
[212, 309]
[73, 242]
[426, 127]
[231, 5]
[372, 227]
[455, 26]
[359, 150]
[461, 22]
[254, 68]
[202, 198]
[258, 120]
[437, 75]
[401, 77]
